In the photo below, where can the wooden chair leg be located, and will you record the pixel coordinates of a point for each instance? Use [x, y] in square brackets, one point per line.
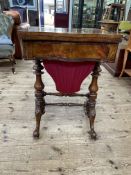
[12, 60]
[124, 62]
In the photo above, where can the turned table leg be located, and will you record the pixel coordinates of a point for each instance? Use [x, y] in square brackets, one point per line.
[39, 96]
[90, 105]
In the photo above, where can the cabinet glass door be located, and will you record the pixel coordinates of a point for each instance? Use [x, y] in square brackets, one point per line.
[86, 13]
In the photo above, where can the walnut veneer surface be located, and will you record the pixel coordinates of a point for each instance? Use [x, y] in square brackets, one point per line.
[60, 43]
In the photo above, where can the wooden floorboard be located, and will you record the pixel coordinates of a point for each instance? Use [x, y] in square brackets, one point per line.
[64, 147]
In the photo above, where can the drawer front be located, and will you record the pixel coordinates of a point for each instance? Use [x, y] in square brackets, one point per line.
[70, 51]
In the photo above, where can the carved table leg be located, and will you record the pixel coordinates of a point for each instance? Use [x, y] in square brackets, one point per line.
[39, 96]
[90, 105]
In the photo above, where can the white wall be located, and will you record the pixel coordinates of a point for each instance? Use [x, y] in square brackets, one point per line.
[50, 2]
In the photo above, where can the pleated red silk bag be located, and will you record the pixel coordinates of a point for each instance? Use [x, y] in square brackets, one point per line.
[68, 76]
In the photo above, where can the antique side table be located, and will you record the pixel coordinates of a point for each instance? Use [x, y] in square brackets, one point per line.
[67, 52]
